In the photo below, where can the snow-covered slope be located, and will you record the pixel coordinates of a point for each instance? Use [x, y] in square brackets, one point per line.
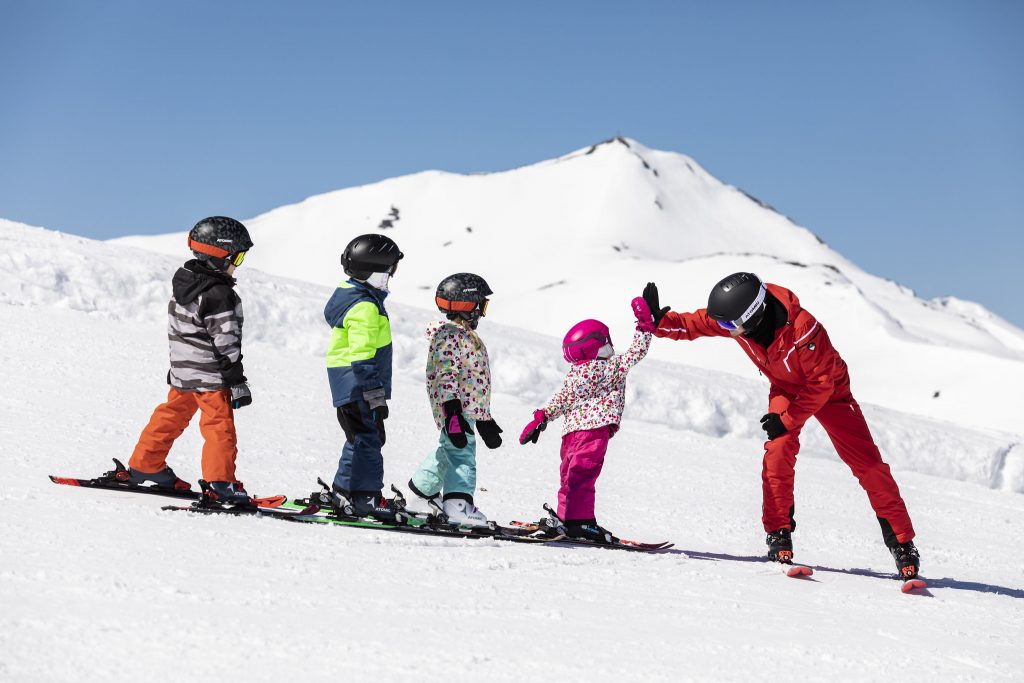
[50, 269]
[579, 236]
[104, 586]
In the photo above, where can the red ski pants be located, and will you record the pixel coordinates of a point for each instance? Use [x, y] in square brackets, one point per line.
[845, 425]
[582, 459]
[216, 424]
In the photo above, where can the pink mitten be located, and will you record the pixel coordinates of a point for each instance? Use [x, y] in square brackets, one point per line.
[644, 319]
[537, 425]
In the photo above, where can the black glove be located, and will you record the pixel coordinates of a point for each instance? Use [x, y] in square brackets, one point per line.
[772, 425]
[490, 432]
[651, 297]
[378, 411]
[455, 425]
[240, 396]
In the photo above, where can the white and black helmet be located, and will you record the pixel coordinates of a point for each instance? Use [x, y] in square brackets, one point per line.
[369, 254]
[738, 301]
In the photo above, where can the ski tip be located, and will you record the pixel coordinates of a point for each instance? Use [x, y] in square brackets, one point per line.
[270, 501]
[913, 585]
[67, 481]
[798, 570]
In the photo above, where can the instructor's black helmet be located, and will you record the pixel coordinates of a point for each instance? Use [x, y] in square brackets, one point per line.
[369, 254]
[218, 240]
[738, 301]
[463, 295]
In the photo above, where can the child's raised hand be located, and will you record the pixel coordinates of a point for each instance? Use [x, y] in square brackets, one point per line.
[532, 430]
[644, 319]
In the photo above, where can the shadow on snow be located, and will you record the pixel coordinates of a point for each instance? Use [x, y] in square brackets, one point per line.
[932, 582]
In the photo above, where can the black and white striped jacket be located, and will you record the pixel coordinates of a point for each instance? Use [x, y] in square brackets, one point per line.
[204, 328]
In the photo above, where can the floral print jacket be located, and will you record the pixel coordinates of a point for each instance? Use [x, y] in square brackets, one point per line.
[458, 367]
[594, 393]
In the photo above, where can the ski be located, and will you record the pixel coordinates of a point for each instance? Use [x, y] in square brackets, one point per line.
[621, 544]
[205, 508]
[110, 482]
[412, 524]
[911, 585]
[553, 526]
[797, 571]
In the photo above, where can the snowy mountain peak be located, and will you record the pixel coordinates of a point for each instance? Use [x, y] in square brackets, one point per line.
[579, 235]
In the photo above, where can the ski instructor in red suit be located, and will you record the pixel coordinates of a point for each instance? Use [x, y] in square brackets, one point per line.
[808, 379]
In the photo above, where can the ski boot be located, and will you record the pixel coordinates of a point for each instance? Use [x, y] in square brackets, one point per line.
[371, 504]
[588, 530]
[219, 493]
[431, 506]
[908, 560]
[164, 479]
[780, 546]
[463, 513]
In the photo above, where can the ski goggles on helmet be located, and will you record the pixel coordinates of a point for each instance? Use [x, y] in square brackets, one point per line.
[462, 306]
[747, 314]
[236, 259]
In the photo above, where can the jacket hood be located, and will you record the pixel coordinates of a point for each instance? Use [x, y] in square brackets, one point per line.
[194, 278]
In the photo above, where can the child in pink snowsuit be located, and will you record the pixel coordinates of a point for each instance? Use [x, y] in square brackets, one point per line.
[592, 399]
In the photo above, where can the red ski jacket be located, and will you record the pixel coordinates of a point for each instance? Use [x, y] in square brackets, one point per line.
[805, 371]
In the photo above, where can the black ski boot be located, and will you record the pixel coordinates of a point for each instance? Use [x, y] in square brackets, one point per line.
[370, 504]
[908, 560]
[219, 493]
[588, 530]
[164, 479]
[780, 546]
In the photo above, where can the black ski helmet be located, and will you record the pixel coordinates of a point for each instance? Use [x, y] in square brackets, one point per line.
[463, 295]
[369, 254]
[215, 239]
[738, 301]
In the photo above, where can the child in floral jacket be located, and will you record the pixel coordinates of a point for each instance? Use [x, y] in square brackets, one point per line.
[592, 399]
[459, 387]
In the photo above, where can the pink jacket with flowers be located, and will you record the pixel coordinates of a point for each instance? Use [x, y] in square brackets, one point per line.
[594, 392]
[458, 367]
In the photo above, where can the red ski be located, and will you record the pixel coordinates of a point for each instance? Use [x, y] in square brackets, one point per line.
[110, 482]
[911, 585]
[797, 571]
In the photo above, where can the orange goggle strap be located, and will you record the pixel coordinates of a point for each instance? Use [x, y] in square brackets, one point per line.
[460, 306]
[208, 249]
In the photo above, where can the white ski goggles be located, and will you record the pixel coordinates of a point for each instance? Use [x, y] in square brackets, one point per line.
[747, 314]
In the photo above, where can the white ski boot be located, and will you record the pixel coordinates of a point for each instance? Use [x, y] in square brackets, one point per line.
[423, 504]
[464, 513]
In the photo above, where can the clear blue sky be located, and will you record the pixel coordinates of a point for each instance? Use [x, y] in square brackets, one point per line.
[895, 130]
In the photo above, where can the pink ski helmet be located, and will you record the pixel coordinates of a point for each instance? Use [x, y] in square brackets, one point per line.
[584, 340]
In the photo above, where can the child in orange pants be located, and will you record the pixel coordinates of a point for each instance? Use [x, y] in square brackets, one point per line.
[205, 335]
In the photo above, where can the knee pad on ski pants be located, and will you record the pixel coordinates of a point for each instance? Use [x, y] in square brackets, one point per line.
[351, 421]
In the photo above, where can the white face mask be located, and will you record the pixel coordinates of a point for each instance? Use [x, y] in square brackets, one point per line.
[379, 280]
[606, 352]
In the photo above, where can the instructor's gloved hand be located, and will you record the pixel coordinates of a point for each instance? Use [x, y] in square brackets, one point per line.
[240, 395]
[653, 303]
[455, 425]
[772, 425]
[532, 430]
[378, 411]
[490, 432]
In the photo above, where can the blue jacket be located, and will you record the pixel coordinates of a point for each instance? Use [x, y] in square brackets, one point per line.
[359, 354]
